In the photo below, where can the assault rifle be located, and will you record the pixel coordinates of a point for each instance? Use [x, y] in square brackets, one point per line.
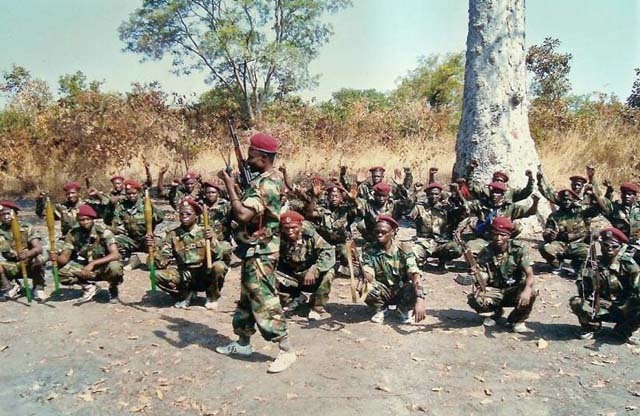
[245, 176]
[591, 271]
[468, 255]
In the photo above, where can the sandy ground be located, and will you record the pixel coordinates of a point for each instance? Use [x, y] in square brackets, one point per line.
[144, 356]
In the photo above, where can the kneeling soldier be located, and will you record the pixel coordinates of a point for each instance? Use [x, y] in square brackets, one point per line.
[308, 259]
[394, 276]
[609, 290]
[505, 266]
[187, 244]
[90, 254]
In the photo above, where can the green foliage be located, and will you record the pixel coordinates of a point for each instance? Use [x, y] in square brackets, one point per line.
[15, 80]
[255, 49]
[70, 85]
[550, 70]
[438, 80]
[633, 100]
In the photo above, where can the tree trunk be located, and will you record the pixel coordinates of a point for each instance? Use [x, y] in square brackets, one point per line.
[494, 129]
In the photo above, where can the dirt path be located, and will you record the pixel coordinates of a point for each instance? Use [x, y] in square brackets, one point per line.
[143, 356]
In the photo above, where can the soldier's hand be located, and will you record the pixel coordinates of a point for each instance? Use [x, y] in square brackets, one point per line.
[87, 271]
[525, 297]
[208, 233]
[353, 193]
[397, 173]
[53, 255]
[23, 255]
[316, 186]
[175, 183]
[591, 170]
[114, 199]
[149, 240]
[528, 173]
[360, 177]
[283, 169]
[146, 163]
[552, 234]
[92, 192]
[406, 169]
[226, 178]
[310, 277]
[419, 310]
[343, 170]
[433, 171]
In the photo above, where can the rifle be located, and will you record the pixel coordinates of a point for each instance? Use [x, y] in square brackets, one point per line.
[148, 219]
[17, 237]
[468, 255]
[48, 208]
[359, 288]
[594, 275]
[245, 176]
[286, 280]
[207, 248]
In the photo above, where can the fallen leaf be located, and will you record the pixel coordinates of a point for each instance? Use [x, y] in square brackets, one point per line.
[159, 394]
[291, 396]
[542, 344]
[488, 392]
[4, 347]
[382, 387]
[598, 363]
[181, 399]
[70, 372]
[418, 408]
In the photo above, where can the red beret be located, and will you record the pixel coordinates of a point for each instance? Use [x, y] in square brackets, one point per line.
[188, 176]
[434, 185]
[333, 186]
[498, 186]
[388, 219]
[317, 178]
[131, 184]
[502, 225]
[264, 143]
[578, 178]
[9, 204]
[382, 188]
[630, 187]
[376, 168]
[566, 192]
[500, 175]
[291, 219]
[613, 233]
[190, 202]
[213, 184]
[114, 177]
[86, 211]
[71, 186]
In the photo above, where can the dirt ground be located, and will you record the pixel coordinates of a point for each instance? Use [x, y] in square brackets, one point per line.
[142, 356]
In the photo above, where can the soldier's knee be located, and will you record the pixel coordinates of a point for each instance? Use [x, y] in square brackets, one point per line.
[219, 269]
[575, 303]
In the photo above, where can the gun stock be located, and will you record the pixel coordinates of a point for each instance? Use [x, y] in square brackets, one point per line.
[51, 224]
[245, 177]
[148, 219]
[469, 258]
[17, 237]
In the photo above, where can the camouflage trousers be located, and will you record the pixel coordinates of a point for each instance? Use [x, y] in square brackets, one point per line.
[127, 245]
[425, 248]
[494, 299]
[625, 315]
[178, 282]
[380, 296]
[556, 251]
[111, 272]
[35, 270]
[319, 291]
[259, 303]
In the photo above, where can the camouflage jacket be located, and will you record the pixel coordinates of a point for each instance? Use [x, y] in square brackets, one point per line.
[626, 219]
[178, 193]
[619, 280]
[393, 268]
[220, 218]
[333, 225]
[432, 221]
[369, 212]
[310, 249]
[261, 235]
[547, 191]
[103, 205]
[128, 218]
[87, 246]
[8, 244]
[486, 213]
[573, 224]
[480, 191]
[65, 212]
[502, 270]
[187, 247]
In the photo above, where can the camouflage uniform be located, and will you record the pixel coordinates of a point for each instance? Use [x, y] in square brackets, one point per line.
[392, 272]
[505, 276]
[220, 223]
[573, 228]
[311, 250]
[65, 212]
[433, 233]
[485, 213]
[368, 211]
[11, 264]
[619, 295]
[258, 247]
[190, 273]
[105, 208]
[333, 226]
[129, 226]
[88, 246]
[547, 191]
[627, 220]
[479, 191]
[178, 193]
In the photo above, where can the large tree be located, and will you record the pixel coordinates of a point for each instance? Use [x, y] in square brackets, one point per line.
[494, 129]
[255, 49]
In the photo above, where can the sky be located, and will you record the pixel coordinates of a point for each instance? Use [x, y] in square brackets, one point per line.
[375, 42]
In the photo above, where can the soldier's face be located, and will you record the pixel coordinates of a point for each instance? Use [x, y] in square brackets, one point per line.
[376, 176]
[212, 194]
[117, 184]
[335, 198]
[497, 196]
[72, 196]
[256, 160]
[499, 178]
[628, 198]
[190, 184]
[500, 240]
[610, 248]
[85, 222]
[379, 198]
[132, 194]
[576, 186]
[188, 216]
[434, 195]
[384, 233]
[291, 232]
[5, 216]
[566, 202]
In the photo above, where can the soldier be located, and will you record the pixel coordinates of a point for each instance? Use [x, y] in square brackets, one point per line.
[67, 211]
[624, 214]
[506, 268]
[219, 211]
[609, 290]
[369, 210]
[89, 255]
[31, 254]
[479, 191]
[105, 204]
[365, 189]
[578, 185]
[187, 244]
[258, 246]
[433, 229]
[190, 186]
[566, 233]
[393, 274]
[307, 258]
[129, 224]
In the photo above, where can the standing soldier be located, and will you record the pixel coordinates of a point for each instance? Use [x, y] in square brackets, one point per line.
[31, 255]
[187, 244]
[393, 274]
[506, 268]
[307, 258]
[89, 255]
[67, 211]
[609, 290]
[258, 213]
